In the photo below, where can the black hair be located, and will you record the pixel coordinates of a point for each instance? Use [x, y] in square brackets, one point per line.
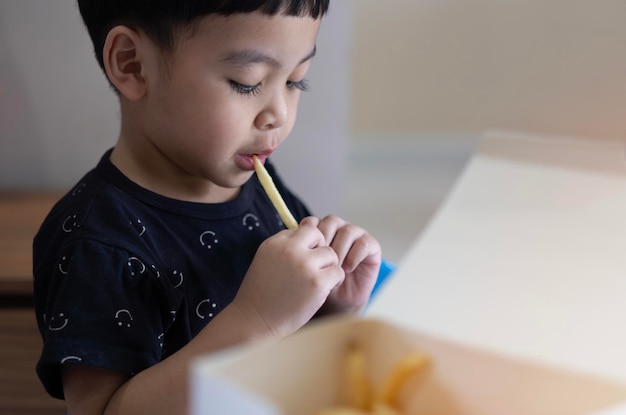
[161, 19]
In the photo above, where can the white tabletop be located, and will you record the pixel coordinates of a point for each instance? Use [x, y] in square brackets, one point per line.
[527, 256]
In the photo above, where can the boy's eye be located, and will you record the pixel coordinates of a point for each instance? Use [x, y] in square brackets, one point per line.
[302, 85]
[245, 89]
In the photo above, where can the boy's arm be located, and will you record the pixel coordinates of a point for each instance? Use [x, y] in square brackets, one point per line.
[276, 298]
[161, 389]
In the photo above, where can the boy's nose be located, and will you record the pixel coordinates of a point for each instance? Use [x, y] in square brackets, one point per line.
[274, 114]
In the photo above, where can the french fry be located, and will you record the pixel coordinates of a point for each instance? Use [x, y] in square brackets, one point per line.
[272, 192]
[404, 369]
[359, 386]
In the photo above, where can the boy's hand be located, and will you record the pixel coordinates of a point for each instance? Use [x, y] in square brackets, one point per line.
[359, 255]
[290, 278]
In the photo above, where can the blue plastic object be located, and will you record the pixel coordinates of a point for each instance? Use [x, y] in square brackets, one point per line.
[386, 270]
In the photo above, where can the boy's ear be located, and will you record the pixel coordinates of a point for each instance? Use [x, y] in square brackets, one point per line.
[123, 62]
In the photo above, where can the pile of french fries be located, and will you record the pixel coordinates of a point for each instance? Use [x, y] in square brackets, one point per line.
[362, 398]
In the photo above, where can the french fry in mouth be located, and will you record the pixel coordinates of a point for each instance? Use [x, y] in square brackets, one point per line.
[272, 192]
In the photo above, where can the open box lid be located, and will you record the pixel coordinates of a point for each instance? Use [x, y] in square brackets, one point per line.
[526, 257]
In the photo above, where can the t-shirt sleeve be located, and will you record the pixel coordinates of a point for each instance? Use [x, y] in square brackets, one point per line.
[104, 308]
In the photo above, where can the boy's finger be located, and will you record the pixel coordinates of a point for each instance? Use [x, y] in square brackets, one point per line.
[362, 249]
[347, 243]
[310, 221]
[309, 232]
[329, 226]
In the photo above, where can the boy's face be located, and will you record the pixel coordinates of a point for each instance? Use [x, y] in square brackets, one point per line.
[229, 91]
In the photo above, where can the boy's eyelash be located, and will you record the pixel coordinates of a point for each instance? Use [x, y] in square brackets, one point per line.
[302, 85]
[245, 89]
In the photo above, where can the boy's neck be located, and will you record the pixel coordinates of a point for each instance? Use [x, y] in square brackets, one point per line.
[150, 169]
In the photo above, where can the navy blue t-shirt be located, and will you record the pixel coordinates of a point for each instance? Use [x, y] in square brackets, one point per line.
[124, 277]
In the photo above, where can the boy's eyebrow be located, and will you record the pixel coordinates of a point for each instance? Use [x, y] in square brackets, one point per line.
[249, 57]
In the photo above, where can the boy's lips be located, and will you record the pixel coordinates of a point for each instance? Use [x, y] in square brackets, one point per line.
[261, 157]
[248, 162]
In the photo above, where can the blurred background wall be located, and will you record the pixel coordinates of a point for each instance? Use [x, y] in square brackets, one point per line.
[549, 66]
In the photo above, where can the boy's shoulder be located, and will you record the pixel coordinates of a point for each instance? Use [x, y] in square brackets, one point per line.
[88, 208]
[102, 206]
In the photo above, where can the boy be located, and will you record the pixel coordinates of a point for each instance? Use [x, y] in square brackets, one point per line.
[169, 248]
